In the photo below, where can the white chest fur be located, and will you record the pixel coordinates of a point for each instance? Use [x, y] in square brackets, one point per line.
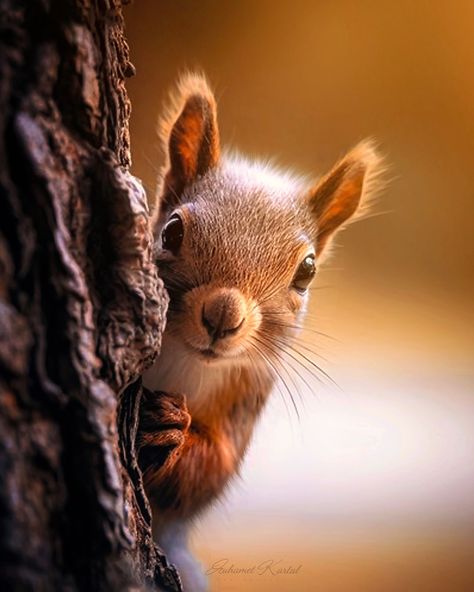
[178, 370]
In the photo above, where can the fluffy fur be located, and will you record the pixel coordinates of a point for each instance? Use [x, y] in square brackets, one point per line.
[247, 228]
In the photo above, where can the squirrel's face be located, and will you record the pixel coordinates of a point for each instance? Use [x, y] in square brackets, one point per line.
[238, 243]
[237, 256]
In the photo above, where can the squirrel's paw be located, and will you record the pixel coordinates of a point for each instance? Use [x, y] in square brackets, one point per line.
[164, 422]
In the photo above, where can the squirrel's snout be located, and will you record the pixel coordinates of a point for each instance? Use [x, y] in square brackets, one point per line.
[223, 313]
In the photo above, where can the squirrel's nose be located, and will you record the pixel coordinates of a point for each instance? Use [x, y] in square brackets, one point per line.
[223, 313]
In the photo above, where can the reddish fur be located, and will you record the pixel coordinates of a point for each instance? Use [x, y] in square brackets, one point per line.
[241, 284]
[187, 462]
[201, 453]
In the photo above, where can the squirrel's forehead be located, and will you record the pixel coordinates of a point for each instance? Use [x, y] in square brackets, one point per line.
[224, 211]
[255, 230]
[260, 210]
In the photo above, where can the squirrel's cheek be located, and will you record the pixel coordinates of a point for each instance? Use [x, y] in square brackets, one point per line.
[296, 302]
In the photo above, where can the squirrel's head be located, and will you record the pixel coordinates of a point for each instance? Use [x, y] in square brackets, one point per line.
[239, 243]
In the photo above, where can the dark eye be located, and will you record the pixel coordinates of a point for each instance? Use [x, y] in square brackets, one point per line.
[172, 234]
[304, 274]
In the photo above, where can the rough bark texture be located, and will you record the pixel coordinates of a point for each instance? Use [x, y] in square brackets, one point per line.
[81, 307]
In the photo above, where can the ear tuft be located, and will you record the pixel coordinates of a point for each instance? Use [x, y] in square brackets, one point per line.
[189, 84]
[189, 133]
[345, 192]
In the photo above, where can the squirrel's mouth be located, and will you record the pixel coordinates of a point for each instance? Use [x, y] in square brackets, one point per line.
[208, 354]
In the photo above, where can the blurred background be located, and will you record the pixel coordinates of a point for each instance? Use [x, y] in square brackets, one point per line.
[372, 488]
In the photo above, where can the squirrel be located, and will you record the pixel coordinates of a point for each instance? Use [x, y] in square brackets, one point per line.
[238, 243]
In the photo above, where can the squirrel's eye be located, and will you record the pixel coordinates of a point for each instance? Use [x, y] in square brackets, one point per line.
[304, 274]
[172, 234]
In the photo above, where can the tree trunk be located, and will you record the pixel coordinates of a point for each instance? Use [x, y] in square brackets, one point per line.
[81, 306]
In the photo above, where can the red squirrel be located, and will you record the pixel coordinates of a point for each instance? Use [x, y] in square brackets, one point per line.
[237, 246]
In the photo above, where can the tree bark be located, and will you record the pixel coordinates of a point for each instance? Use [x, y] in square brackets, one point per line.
[81, 307]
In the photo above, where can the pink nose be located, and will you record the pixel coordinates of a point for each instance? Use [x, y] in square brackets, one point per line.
[223, 313]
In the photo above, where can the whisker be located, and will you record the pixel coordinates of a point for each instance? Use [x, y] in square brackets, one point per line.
[300, 376]
[318, 368]
[296, 338]
[299, 328]
[282, 347]
[306, 347]
[277, 384]
[269, 361]
[286, 345]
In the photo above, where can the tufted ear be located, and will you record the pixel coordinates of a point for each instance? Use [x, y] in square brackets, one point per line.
[191, 137]
[339, 194]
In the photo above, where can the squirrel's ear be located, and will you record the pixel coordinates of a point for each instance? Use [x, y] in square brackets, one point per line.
[190, 134]
[341, 193]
